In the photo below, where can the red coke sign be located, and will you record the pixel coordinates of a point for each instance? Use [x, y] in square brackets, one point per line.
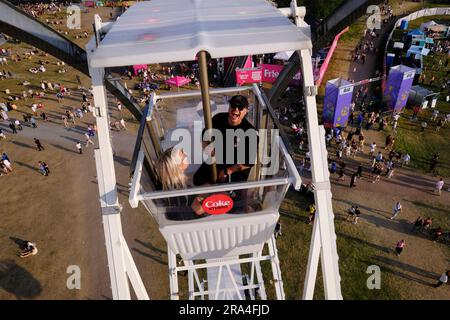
[217, 204]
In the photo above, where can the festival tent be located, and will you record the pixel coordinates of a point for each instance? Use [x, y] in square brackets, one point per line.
[438, 31]
[283, 55]
[415, 32]
[426, 25]
[414, 50]
[178, 81]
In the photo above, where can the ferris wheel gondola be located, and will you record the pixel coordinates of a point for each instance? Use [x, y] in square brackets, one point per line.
[174, 31]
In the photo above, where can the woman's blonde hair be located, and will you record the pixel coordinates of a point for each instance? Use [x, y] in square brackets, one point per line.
[169, 172]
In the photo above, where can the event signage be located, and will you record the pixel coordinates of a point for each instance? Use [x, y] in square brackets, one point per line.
[217, 204]
[263, 73]
[270, 73]
[399, 84]
[248, 75]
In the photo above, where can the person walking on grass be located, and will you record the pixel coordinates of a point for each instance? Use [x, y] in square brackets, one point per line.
[397, 210]
[406, 159]
[438, 187]
[7, 165]
[342, 171]
[372, 149]
[18, 125]
[443, 279]
[312, 213]
[352, 180]
[38, 144]
[359, 171]
[46, 168]
[12, 127]
[88, 140]
[423, 125]
[42, 168]
[418, 224]
[122, 124]
[64, 119]
[79, 148]
[434, 162]
[399, 247]
[33, 122]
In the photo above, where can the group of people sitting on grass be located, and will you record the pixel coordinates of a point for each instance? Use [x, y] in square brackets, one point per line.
[424, 225]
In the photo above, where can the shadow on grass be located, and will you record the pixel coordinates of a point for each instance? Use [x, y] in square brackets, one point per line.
[150, 256]
[21, 144]
[382, 213]
[63, 148]
[429, 206]
[364, 242]
[123, 161]
[22, 164]
[399, 269]
[18, 281]
[149, 246]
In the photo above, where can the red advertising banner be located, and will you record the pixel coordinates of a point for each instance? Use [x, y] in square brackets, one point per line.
[248, 75]
[325, 64]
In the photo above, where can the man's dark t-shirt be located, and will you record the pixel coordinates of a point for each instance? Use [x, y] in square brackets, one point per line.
[220, 122]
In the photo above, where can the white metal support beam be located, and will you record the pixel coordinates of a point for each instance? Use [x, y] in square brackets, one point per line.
[324, 214]
[276, 271]
[108, 192]
[133, 273]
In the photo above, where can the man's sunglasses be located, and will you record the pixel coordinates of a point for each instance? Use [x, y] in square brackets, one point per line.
[238, 107]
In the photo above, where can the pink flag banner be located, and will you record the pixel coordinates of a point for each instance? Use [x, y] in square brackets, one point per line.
[248, 63]
[326, 63]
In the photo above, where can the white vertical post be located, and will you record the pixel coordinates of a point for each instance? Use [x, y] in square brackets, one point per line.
[191, 285]
[321, 181]
[173, 275]
[276, 271]
[259, 276]
[313, 263]
[108, 191]
[133, 273]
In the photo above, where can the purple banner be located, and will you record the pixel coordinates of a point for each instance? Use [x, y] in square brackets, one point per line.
[337, 102]
[399, 84]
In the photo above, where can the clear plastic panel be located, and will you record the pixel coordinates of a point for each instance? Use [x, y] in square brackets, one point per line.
[229, 203]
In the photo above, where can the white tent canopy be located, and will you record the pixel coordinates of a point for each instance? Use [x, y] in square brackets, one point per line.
[426, 25]
[161, 31]
[284, 55]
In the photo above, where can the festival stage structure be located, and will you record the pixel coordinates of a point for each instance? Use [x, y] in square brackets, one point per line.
[218, 246]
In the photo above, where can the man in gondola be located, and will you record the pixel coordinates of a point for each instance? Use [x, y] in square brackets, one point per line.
[232, 125]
